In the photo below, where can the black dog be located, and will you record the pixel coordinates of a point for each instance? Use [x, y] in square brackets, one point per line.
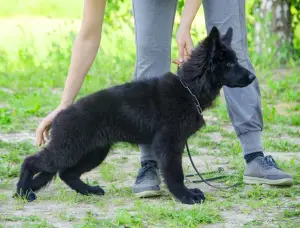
[162, 112]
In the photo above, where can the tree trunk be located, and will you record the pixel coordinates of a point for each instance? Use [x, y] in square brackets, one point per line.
[274, 23]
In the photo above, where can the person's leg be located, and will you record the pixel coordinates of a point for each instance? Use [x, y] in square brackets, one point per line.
[243, 104]
[153, 34]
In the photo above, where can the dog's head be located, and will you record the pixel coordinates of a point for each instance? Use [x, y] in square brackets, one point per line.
[215, 59]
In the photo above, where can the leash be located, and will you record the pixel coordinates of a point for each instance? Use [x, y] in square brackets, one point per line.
[200, 111]
[210, 179]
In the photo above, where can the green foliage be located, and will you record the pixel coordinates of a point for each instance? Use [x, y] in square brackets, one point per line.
[295, 11]
[272, 54]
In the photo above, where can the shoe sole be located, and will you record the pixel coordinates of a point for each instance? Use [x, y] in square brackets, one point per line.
[257, 180]
[145, 194]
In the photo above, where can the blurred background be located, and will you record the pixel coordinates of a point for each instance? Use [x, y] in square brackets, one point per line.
[36, 39]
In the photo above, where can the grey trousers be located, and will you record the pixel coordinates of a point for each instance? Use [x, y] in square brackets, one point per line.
[153, 32]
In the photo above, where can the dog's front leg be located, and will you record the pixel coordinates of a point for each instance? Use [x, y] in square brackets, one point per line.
[169, 156]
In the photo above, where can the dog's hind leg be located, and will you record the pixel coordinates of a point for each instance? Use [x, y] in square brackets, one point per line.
[71, 176]
[169, 152]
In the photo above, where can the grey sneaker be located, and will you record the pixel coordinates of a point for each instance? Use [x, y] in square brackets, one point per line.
[148, 180]
[263, 170]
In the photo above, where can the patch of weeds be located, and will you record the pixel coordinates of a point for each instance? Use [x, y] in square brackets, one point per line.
[286, 88]
[193, 150]
[296, 107]
[297, 174]
[272, 195]
[65, 216]
[3, 198]
[42, 224]
[281, 145]
[221, 203]
[227, 134]
[179, 215]
[254, 223]
[114, 191]
[271, 115]
[91, 182]
[31, 218]
[295, 120]
[108, 172]
[221, 113]
[203, 141]
[68, 196]
[5, 116]
[22, 148]
[291, 213]
[126, 218]
[9, 170]
[255, 204]
[10, 162]
[210, 128]
[119, 202]
[91, 221]
[294, 132]
[230, 147]
[11, 157]
[31, 221]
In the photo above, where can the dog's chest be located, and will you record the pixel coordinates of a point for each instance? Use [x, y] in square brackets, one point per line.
[194, 124]
[200, 122]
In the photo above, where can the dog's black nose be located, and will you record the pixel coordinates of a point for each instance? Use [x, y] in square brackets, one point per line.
[251, 77]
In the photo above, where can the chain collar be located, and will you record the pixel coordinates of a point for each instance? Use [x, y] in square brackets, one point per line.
[198, 107]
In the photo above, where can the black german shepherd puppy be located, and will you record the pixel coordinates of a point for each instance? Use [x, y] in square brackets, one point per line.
[160, 111]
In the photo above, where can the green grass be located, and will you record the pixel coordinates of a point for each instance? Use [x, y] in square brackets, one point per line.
[109, 172]
[281, 145]
[11, 159]
[32, 218]
[289, 214]
[168, 215]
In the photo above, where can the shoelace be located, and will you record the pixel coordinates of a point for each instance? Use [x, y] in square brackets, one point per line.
[269, 162]
[145, 168]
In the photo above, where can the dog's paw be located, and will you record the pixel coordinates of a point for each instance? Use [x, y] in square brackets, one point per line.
[196, 191]
[30, 196]
[96, 190]
[193, 196]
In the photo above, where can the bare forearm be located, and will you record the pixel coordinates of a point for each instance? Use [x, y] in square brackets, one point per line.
[85, 49]
[190, 10]
[83, 56]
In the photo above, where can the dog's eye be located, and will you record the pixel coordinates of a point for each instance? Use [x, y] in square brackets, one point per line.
[230, 64]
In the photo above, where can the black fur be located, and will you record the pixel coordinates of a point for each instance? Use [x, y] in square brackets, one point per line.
[159, 111]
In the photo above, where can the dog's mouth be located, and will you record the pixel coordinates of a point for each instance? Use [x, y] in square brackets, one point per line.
[241, 83]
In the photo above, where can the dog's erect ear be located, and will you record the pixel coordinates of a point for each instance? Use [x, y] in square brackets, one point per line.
[227, 38]
[214, 34]
[213, 40]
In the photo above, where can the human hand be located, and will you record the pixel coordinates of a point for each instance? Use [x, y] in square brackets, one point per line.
[42, 132]
[185, 45]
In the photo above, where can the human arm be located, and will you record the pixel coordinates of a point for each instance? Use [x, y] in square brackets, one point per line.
[84, 52]
[183, 36]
